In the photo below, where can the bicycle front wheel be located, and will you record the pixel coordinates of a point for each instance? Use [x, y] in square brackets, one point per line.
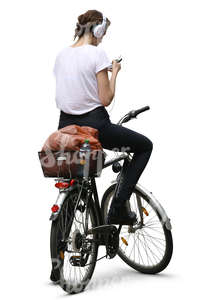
[147, 246]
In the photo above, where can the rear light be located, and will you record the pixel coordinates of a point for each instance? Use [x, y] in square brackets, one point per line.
[62, 185]
[55, 208]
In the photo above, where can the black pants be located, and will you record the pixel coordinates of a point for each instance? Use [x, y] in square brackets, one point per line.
[116, 137]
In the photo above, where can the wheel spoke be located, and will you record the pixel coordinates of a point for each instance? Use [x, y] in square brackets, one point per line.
[148, 227]
[150, 250]
[146, 252]
[154, 244]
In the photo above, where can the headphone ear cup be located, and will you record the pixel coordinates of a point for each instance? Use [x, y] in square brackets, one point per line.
[98, 30]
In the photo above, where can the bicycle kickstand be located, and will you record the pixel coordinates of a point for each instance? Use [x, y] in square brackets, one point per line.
[119, 229]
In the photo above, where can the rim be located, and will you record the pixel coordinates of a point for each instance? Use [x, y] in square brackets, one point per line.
[75, 277]
[145, 245]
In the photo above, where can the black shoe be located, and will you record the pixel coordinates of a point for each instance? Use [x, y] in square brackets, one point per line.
[121, 214]
[54, 278]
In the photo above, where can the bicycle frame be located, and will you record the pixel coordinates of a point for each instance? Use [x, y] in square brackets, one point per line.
[94, 187]
[63, 193]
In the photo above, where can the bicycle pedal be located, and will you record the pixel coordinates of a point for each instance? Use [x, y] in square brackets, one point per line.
[77, 261]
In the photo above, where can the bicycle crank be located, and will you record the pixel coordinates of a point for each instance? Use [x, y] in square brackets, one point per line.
[109, 236]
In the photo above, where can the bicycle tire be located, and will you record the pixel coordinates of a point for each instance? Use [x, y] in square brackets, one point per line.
[168, 238]
[55, 256]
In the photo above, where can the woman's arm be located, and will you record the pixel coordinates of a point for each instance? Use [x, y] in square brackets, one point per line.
[106, 87]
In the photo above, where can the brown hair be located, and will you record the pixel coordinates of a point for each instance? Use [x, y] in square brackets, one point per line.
[90, 18]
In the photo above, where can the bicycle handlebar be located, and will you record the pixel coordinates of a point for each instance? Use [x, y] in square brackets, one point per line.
[133, 114]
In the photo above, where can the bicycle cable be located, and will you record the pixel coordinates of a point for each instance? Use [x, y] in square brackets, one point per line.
[96, 260]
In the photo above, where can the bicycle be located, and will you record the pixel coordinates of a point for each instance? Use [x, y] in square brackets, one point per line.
[79, 227]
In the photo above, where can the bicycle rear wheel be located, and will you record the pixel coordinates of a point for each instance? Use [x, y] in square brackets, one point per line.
[147, 248]
[68, 245]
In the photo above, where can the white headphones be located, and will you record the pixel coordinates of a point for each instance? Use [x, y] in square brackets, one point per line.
[99, 30]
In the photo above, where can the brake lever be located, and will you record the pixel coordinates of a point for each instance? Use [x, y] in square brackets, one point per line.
[129, 117]
[132, 113]
[126, 119]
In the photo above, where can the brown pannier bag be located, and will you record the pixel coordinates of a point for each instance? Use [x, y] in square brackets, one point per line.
[72, 137]
[59, 156]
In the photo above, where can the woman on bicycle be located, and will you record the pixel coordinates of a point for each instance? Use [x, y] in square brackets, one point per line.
[83, 90]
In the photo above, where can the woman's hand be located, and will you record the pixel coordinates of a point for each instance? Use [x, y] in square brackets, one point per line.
[116, 66]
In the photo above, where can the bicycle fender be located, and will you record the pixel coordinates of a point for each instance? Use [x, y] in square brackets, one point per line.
[59, 201]
[156, 205]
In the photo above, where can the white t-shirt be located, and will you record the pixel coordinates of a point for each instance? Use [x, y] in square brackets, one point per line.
[76, 83]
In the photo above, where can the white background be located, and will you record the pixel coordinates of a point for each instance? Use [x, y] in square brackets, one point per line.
[161, 45]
